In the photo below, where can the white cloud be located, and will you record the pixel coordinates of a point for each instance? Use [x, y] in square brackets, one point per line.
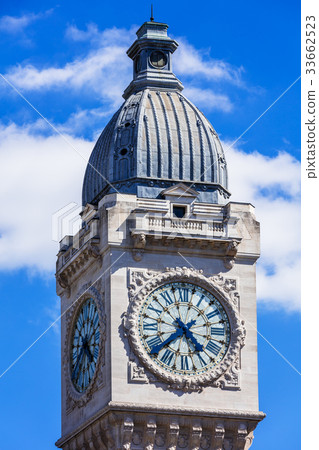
[39, 175]
[14, 25]
[193, 62]
[272, 185]
[106, 70]
[102, 71]
[206, 98]
[107, 37]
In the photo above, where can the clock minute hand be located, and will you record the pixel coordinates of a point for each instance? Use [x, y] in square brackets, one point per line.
[173, 336]
[189, 334]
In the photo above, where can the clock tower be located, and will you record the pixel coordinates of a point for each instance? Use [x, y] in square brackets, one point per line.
[158, 288]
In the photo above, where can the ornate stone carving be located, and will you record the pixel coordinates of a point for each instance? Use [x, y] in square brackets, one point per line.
[182, 441]
[196, 434]
[231, 379]
[172, 436]
[219, 434]
[228, 444]
[205, 442]
[137, 279]
[242, 434]
[78, 260]
[64, 283]
[150, 432]
[128, 427]
[137, 438]
[137, 373]
[143, 283]
[139, 242]
[74, 398]
[160, 439]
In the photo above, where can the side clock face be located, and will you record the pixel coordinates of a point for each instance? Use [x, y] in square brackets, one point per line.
[184, 328]
[158, 59]
[85, 345]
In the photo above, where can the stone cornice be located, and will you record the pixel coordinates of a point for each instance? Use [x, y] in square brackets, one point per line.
[77, 262]
[147, 408]
[127, 408]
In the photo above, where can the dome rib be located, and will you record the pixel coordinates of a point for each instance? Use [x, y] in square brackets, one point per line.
[156, 139]
[168, 135]
[180, 139]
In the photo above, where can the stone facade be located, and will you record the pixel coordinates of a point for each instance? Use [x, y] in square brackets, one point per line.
[125, 243]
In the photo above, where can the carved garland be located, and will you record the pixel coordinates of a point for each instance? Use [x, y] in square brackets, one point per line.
[73, 397]
[146, 283]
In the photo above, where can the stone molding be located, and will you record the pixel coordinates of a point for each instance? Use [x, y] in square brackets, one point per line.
[78, 262]
[129, 426]
[146, 239]
[223, 375]
[73, 398]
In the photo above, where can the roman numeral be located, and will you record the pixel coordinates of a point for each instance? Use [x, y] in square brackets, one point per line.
[150, 326]
[184, 362]
[91, 311]
[154, 341]
[158, 311]
[213, 347]
[167, 357]
[201, 359]
[96, 352]
[212, 314]
[217, 331]
[200, 300]
[183, 294]
[80, 322]
[168, 299]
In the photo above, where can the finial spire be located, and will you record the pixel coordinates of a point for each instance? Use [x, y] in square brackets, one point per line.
[152, 15]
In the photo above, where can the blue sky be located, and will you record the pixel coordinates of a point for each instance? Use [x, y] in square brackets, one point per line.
[68, 60]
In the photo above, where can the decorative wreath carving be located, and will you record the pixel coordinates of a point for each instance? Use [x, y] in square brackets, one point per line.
[73, 397]
[143, 283]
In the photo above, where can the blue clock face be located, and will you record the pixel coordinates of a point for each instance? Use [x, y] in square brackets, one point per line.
[85, 345]
[184, 328]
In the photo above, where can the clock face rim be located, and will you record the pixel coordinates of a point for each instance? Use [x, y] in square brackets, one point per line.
[73, 397]
[186, 311]
[212, 284]
[74, 328]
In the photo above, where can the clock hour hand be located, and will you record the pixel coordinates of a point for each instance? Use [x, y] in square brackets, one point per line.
[182, 324]
[172, 337]
[77, 364]
[88, 353]
[189, 334]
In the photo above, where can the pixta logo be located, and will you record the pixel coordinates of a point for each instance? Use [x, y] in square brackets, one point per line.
[66, 221]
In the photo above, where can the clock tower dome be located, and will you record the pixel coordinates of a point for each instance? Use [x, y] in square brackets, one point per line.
[158, 288]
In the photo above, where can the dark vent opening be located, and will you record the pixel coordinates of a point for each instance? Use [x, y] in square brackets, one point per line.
[179, 211]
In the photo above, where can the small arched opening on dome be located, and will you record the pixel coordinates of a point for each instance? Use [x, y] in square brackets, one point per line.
[179, 211]
[123, 168]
